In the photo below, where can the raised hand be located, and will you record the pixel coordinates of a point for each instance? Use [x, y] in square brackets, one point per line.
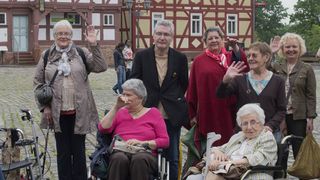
[275, 44]
[233, 43]
[234, 70]
[91, 35]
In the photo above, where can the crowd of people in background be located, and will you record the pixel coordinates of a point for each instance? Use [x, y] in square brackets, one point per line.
[248, 96]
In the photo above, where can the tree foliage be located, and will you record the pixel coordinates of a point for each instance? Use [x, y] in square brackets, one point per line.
[306, 23]
[268, 20]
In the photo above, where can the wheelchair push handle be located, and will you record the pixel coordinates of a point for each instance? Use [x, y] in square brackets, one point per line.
[286, 138]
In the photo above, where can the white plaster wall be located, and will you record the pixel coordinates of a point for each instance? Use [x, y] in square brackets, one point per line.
[113, 2]
[43, 21]
[108, 34]
[97, 1]
[3, 34]
[42, 34]
[96, 19]
[64, 0]
[77, 34]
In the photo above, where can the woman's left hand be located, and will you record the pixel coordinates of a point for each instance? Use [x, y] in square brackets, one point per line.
[91, 35]
[233, 43]
[134, 142]
[309, 125]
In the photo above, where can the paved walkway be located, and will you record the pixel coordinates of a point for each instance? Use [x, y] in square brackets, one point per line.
[16, 92]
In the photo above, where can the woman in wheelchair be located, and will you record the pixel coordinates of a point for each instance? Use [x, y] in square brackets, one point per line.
[137, 126]
[253, 145]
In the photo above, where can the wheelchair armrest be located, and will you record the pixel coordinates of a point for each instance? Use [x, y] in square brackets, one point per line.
[160, 151]
[265, 168]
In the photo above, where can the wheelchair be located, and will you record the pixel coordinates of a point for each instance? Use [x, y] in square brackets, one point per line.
[280, 169]
[104, 143]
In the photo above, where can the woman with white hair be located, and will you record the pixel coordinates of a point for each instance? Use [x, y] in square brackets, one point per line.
[137, 126]
[252, 146]
[300, 86]
[72, 111]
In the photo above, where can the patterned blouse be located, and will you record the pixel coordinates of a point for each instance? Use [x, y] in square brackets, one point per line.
[261, 150]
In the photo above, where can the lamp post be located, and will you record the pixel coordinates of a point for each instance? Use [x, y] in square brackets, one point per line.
[131, 4]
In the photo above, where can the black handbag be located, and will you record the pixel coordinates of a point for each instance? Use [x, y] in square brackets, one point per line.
[44, 92]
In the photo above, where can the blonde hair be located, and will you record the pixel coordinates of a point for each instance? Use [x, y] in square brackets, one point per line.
[286, 37]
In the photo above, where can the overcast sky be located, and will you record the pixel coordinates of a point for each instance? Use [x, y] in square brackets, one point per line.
[288, 4]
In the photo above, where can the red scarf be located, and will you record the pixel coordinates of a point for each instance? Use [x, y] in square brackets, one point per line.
[221, 58]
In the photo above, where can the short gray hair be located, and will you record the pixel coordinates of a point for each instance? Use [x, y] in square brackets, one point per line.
[251, 108]
[61, 23]
[165, 23]
[212, 29]
[137, 86]
[286, 37]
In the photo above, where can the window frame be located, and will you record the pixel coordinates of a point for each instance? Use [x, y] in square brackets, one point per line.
[235, 24]
[73, 15]
[155, 18]
[107, 16]
[5, 18]
[192, 24]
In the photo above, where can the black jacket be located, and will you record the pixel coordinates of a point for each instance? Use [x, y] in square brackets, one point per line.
[172, 91]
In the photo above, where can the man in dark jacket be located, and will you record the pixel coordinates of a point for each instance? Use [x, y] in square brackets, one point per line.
[164, 71]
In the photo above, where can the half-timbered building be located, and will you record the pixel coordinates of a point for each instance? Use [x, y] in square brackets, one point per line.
[26, 25]
[191, 18]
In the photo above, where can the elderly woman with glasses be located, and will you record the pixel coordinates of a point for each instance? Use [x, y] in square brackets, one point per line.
[72, 112]
[137, 126]
[253, 145]
[259, 85]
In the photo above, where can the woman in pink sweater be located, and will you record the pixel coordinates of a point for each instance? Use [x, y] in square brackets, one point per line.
[136, 125]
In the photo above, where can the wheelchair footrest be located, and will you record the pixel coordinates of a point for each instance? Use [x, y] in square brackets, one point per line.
[15, 165]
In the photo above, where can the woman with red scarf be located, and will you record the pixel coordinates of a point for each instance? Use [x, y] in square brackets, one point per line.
[207, 112]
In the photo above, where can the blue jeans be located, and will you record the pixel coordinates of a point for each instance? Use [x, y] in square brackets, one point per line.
[121, 78]
[172, 153]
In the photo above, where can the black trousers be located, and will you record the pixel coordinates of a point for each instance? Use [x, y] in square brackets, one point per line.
[298, 128]
[125, 166]
[71, 156]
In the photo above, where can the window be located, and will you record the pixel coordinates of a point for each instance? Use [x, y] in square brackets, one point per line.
[196, 24]
[155, 18]
[74, 18]
[3, 19]
[232, 25]
[108, 20]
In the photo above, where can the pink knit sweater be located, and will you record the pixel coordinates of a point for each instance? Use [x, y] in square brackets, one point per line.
[150, 126]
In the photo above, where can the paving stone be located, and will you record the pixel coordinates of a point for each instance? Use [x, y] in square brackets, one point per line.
[16, 92]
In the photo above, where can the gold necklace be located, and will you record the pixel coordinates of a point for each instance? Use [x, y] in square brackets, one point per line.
[135, 114]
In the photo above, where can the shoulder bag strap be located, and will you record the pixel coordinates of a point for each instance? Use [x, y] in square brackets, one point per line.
[54, 77]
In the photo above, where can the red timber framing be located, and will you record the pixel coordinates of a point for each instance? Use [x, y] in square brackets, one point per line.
[213, 13]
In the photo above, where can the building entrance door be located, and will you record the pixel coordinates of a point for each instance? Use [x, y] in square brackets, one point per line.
[20, 33]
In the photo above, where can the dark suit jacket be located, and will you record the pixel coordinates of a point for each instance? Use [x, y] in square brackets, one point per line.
[173, 88]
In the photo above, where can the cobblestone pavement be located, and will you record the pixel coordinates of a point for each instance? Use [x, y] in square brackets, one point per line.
[16, 92]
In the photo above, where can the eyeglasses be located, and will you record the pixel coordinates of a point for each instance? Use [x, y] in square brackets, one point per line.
[63, 34]
[251, 122]
[162, 34]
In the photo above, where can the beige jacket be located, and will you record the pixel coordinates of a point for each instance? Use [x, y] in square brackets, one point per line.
[86, 111]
